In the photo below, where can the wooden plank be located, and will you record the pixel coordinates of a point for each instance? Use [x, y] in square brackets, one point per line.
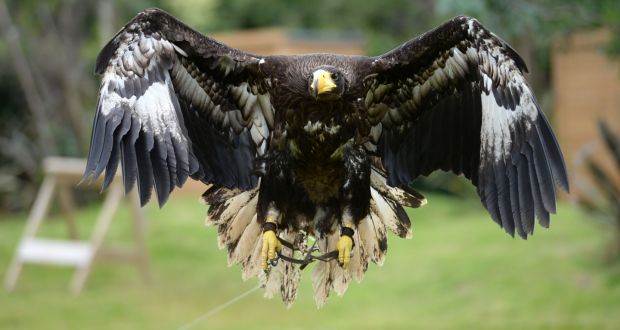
[55, 252]
[67, 206]
[36, 217]
[110, 205]
[64, 166]
[40, 207]
[139, 230]
[70, 171]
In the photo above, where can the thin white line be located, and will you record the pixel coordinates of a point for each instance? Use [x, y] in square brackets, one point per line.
[217, 309]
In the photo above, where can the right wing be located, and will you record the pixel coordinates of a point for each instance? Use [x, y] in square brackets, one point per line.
[456, 99]
[174, 103]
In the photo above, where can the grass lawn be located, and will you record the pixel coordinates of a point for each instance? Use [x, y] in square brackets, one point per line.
[459, 271]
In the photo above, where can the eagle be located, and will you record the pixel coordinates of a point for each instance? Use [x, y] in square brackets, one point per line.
[310, 157]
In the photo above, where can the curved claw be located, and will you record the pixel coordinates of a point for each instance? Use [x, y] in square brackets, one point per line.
[344, 247]
[271, 244]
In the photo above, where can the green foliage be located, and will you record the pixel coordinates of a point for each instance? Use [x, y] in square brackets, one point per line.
[540, 20]
[385, 23]
[460, 271]
[611, 19]
[49, 44]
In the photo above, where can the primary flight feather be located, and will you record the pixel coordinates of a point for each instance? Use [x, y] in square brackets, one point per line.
[321, 146]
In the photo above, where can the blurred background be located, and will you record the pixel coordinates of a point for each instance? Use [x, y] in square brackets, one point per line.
[459, 271]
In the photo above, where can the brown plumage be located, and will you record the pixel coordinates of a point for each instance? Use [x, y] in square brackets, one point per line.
[320, 143]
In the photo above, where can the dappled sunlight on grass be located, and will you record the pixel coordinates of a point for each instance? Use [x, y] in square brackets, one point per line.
[460, 270]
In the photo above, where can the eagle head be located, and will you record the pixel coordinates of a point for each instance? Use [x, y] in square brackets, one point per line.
[327, 83]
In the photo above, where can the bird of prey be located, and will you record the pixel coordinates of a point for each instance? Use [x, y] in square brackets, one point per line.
[310, 157]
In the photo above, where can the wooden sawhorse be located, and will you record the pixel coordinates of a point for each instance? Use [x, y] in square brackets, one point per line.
[61, 175]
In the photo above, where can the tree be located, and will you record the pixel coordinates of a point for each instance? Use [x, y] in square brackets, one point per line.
[47, 55]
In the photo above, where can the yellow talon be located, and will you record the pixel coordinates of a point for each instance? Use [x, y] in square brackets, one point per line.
[344, 246]
[271, 244]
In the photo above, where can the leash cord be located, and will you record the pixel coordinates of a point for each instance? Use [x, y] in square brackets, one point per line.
[217, 309]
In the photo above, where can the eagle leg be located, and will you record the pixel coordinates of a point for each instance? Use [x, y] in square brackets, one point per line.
[345, 242]
[345, 245]
[355, 198]
[270, 244]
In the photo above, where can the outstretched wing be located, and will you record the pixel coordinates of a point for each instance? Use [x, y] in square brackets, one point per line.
[174, 103]
[455, 99]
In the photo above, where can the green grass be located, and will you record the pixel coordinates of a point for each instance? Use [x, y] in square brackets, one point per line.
[459, 271]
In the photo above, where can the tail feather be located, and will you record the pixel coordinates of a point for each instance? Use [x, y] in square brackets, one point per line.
[234, 229]
[250, 266]
[391, 214]
[242, 249]
[359, 260]
[321, 281]
[233, 206]
[404, 196]
[225, 203]
[378, 256]
[284, 277]
[373, 237]
[217, 194]
[340, 277]
[330, 276]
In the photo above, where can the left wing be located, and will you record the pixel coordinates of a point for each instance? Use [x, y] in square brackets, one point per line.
[455, 99]
[174, 103]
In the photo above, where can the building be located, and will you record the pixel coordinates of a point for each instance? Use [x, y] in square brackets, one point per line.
[586, 88]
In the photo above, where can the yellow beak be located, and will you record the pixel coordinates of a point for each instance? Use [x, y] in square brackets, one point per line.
[322, 82]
